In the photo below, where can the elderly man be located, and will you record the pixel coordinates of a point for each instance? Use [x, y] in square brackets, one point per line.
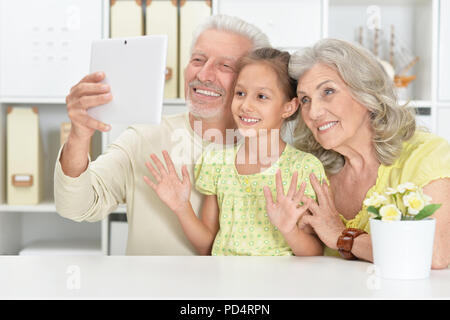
[89, 191]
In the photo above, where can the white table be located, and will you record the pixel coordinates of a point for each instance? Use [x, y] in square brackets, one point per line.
[150, 277]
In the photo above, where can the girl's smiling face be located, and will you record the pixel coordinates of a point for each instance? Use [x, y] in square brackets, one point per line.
[259, 103]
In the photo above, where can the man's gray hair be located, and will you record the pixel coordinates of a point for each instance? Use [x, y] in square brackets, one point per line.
[234, 25]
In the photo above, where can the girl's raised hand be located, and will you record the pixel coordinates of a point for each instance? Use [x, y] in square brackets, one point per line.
[285, 213]
[175, 193]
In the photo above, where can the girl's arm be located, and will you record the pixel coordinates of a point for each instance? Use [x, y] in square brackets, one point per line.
[303, 243]
[201, 233]
[286, 212]
[175, 193]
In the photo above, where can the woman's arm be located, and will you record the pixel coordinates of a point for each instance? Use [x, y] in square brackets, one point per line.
[439, 191]
[326, 222]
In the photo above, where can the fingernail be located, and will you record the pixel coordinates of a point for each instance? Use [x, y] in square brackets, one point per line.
[106, 127]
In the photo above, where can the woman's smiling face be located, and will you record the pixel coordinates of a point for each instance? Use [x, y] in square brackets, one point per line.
[259, 103]
[331, 113]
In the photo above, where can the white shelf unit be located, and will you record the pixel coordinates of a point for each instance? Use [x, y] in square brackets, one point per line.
[44, 50]
[291, 24]
[443, 70]
[419, 26]
[30, 229]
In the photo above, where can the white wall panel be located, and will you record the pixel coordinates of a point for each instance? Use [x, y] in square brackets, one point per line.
[288, 23]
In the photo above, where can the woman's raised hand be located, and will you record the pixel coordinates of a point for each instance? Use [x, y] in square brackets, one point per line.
[173, 191]
[323, 216]
[285, 213]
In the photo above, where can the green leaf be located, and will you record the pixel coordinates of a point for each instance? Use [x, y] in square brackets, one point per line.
[427, 211]
[374, 210]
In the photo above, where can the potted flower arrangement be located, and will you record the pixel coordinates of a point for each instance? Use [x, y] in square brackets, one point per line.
[402, 232]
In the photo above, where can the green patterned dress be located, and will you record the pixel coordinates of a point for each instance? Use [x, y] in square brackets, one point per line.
[245, 228]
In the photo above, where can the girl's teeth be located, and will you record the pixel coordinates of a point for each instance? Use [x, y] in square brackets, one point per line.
[327, 126]
[249, 120]
[207, 93]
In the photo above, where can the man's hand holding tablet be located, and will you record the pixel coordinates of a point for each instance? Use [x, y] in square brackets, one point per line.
[135, 70]
[89, 92]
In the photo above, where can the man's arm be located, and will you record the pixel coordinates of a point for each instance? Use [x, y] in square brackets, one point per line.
[88, 93]
[100, 187]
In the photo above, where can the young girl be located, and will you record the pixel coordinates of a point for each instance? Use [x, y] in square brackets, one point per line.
[239, 216]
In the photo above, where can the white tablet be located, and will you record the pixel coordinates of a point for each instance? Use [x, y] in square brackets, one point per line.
[135, 71]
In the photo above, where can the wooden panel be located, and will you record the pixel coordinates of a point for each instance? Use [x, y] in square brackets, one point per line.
[162, 19]
[192, 13]
[126, 19]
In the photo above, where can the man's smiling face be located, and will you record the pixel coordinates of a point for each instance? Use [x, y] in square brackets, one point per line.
[210, 73]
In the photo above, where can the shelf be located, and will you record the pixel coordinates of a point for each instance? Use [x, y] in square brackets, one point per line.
[43, 207]
[379, 2]
[62, 247]
[34, 100]
[417, 103]
[45, 100]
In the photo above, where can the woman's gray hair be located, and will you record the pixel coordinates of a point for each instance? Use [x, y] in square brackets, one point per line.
[392, 123]
[235, 25]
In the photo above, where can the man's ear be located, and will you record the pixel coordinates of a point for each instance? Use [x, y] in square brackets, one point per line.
[290, 108]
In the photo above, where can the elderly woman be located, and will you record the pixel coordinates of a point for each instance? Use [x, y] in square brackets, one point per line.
[367, 142]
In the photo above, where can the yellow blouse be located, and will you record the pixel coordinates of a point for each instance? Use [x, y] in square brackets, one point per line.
[425, 157]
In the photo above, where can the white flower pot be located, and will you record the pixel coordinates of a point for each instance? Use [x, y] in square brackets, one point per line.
[403, 249]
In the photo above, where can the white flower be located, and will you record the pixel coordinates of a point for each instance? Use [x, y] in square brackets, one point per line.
[376, 200]
[414, 201]
[407, 186]
[390, 191]
[390, 212]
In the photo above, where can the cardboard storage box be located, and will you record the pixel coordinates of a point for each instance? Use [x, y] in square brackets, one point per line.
[24, 156]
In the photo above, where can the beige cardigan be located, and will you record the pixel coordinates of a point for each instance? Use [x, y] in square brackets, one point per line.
[116, 177]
